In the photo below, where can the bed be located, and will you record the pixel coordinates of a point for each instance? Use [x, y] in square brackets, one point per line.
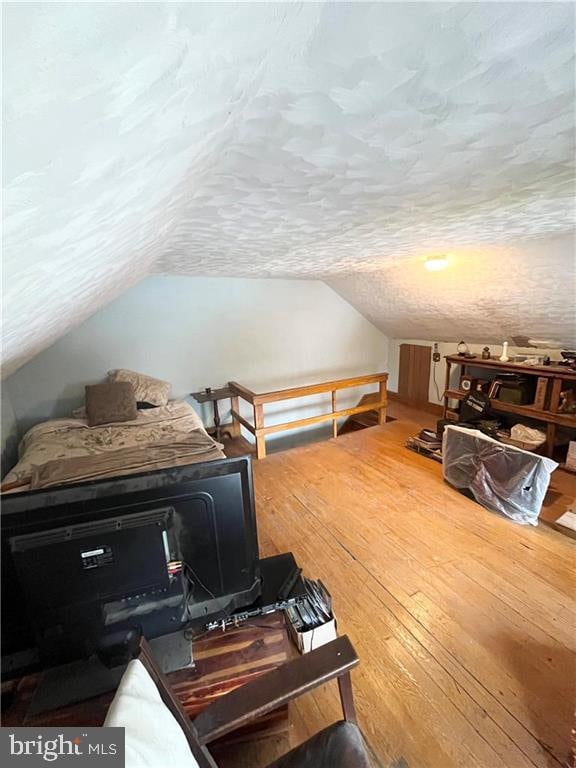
[62, 451]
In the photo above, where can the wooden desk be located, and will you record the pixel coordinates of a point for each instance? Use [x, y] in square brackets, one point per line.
[223, 661]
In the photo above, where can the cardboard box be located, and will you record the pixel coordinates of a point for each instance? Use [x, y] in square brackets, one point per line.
[312, 638]
[540, 395]
[571, 456]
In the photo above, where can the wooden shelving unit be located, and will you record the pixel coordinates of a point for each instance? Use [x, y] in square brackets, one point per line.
[558, 377]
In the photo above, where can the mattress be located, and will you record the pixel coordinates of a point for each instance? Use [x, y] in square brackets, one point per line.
[59, 450]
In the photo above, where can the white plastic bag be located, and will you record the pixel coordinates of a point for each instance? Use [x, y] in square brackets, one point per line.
[529, 435]
[501, 477]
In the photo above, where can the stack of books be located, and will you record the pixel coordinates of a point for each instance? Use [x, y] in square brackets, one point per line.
[427, 443]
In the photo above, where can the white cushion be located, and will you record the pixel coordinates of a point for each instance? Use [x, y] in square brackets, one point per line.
[147, 389]
[153, 737]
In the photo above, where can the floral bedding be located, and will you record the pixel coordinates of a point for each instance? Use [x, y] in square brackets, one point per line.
[70, 438]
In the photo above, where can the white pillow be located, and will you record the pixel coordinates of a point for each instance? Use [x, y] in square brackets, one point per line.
[147, 389]
[153, 737]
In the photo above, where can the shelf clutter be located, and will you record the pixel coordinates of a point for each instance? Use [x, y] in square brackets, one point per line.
[541, 394]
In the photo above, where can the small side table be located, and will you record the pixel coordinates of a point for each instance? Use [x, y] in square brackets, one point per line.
[210, 395]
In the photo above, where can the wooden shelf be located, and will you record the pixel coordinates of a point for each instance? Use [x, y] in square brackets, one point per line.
[549, 371]
[455, 394]
[556, 375]
[563, 419]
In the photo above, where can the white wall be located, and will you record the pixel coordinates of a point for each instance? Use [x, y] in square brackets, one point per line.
[9, 435]
[198, 332]
[450, 348]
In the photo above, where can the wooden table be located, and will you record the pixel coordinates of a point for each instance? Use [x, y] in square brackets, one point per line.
[209, 395]
[223, 661]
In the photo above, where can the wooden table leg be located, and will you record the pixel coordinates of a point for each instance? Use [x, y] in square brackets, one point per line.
[550, 439]
[334, 421]
[347, 698]
[446, 387]
[260, 436]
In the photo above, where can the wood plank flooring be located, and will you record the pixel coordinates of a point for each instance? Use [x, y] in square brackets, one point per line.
[465, 623]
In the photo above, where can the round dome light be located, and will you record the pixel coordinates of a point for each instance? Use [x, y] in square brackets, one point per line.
[436, 263]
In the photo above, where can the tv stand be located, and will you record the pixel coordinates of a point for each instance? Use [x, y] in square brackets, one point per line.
[87, 678]
[72, 683]
[224, 661]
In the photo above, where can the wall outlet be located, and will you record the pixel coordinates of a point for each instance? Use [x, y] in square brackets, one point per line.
[436, 354]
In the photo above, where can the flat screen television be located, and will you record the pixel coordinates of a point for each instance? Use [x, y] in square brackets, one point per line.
[87, 583]
[202, 515]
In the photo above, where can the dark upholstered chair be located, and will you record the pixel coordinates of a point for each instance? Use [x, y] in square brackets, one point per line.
[341, 745]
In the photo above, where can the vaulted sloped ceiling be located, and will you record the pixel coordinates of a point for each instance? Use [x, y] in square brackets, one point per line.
[343, 141]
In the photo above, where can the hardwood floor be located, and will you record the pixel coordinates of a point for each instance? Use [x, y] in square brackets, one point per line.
[465, 623]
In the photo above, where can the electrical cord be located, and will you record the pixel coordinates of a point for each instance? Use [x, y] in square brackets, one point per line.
[187, 570]
[435, 382]
[199, 580]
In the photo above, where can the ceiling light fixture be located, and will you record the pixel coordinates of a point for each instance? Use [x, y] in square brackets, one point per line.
[436, 263]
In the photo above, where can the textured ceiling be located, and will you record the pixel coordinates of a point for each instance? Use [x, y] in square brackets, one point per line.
[487, 294]
[343, 141]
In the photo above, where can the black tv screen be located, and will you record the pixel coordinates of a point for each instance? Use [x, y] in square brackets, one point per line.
[214, 526]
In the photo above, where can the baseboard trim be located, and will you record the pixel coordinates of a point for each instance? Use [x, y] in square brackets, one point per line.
[428, 407]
